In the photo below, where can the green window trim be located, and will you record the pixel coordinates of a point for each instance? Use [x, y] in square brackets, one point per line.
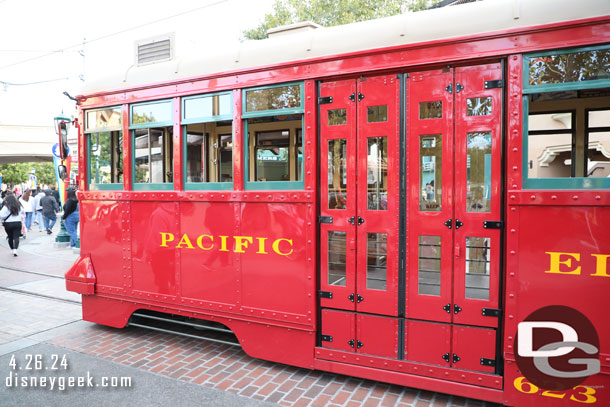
[273, 112]
[555, 87]
[150, 124]
[115, 186]
[198, 186]
[201, 119]
[553, 183]
[145, 186]
[271, 185]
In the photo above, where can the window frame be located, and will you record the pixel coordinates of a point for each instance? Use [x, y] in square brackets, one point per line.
[140, 186]
[113, 186]
[273, 185]
[557, 183]
[197, 186]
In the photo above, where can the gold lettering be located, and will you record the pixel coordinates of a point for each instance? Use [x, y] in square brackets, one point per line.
[200, 242]
[556, 262]
[602, 265]
[261, 245]
[166, 237]
[241, 242]
[276, 247]
[186, 241]
[223, 244]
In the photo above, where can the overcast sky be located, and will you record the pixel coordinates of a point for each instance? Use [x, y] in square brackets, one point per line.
[42, 41]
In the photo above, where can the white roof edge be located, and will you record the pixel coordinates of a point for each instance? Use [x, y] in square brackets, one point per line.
[409, 28]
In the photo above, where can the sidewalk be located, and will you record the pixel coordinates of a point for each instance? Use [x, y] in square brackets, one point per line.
[39, 319]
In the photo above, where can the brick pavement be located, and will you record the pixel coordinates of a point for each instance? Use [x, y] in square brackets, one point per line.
[230, 369]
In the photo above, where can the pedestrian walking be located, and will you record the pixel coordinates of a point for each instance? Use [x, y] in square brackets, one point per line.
[26, 201]
[11, 214]
[50, 207]
[71, 216]
[38, 211]
[55, 194]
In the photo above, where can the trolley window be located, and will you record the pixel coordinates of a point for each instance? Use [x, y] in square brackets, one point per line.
[566, 106]
[274, 138]
[104, 138]
[208, 141]
[151, 128]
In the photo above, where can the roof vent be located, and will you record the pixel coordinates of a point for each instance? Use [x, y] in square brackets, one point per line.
[293, 29]
[155, 49]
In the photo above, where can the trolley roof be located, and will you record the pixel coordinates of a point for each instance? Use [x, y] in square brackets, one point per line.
[409, 28]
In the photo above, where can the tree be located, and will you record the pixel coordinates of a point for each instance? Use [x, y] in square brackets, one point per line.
[20, 173]
[331, 12]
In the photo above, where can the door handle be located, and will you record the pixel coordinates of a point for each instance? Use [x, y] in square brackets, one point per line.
[457, 250]
[352, 245]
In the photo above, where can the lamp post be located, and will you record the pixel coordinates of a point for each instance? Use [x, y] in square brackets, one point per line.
[62, 125]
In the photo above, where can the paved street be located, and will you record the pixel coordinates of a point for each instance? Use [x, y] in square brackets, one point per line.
[38, 317]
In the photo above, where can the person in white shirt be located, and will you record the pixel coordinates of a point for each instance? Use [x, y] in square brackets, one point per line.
[26, 202]
[10, 215]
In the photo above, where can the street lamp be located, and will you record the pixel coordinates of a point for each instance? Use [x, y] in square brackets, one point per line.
[62, 125]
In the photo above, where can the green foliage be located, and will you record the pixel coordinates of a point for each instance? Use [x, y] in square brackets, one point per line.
[331, 12]
[20, 173]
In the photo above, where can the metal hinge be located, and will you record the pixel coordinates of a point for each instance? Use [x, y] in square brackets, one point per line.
[456, 358]
[446, 357]
[488, 362]
[326, 338]
[325, 99]
[499, 83]
[449, 89]
[351, 297]
[490, 312]
[458, 87]
[360, 96]
[352, 97]
[325, 219]
[449, 223]
[447, 308]
[351, 343]
[492, 224]
[359, 298]
[359, 344]
[325, 294]
[456, 309]
[458, 224]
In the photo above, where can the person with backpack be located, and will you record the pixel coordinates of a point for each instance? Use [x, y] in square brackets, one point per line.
[11, 214]
[50, 207]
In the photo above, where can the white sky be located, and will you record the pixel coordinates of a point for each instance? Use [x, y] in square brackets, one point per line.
[32, 28]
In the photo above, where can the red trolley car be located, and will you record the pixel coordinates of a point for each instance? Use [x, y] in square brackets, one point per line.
[394, 199]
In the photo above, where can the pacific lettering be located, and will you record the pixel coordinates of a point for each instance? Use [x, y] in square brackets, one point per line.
[236, 244]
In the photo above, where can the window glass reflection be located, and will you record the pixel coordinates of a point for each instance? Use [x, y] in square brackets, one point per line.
[429, 270]
[478, 266]
[478, 172]
[431, 110]
[337, 117]
[377, 114]
[106, 157]
[478, 106]
[376, 265]
[377, 173]
[336, 258]
[430, 172]
[337, 174]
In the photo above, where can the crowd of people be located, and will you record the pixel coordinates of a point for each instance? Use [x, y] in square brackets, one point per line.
[20, 212]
